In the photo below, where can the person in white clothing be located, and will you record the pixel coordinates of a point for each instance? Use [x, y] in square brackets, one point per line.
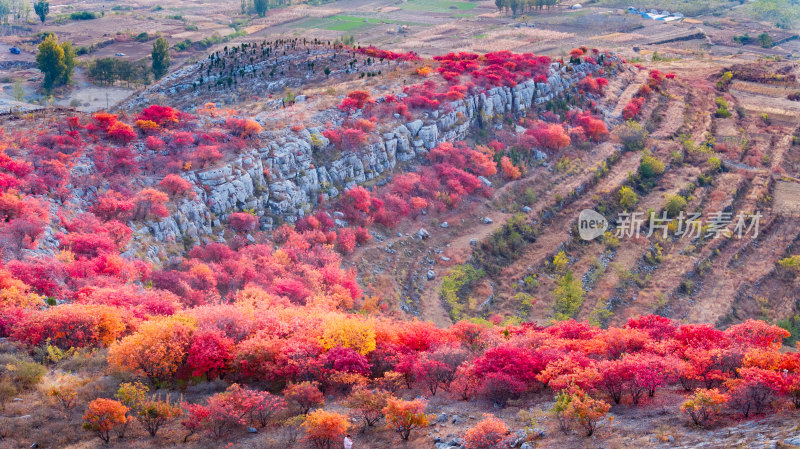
[348, 443]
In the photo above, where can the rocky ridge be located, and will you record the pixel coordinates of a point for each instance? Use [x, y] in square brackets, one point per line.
[295, 177]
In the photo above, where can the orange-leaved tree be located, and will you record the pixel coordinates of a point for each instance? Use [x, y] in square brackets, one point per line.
[323, 428]
[103, 416]
[587, 412]
[157, 350]
[405, 416]
[704, 405]
[489, 433]
[368, 404]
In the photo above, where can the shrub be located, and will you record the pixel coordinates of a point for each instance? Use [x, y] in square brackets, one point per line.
[323, 428]
[243, 221]
[489, 433]
[305, 394]
[368, 404]
[633, 136]
[26, 374]
[510, 171]
[176, 186]
[121, 132]
[722, 108]
[156, 350]
[627, 198]
[633, 107]
[64, 390]
[266, 408]
[499, 387]
[675, 204]
[587, 412]
[791, 263]
[650, 167]
[153, 414]
[704, 405]
[103, 416]
[222, 413]
[568, 297]
[405, 416]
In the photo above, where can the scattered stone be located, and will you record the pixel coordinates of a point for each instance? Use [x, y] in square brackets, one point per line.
[423, 233]
[252, 430]
[444, 225]
[431, 275]
[485, 181]
[473, 242]
[487, 220]
[526, 209]
[457, 419]
[445, 259]
[440, 418]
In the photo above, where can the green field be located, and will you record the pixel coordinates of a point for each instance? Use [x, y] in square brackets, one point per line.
[443, 6]
[342, 23]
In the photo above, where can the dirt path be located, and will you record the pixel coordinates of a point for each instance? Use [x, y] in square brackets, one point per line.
[431, 303]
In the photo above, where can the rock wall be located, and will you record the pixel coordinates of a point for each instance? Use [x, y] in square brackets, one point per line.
[283, 179]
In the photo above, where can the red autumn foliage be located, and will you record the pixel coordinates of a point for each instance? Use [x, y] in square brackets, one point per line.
[176, 186]
[357, 99]
[243, 221]
[161, 115]
[633, 108]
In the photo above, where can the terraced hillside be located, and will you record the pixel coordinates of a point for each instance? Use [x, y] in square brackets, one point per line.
[723, 149]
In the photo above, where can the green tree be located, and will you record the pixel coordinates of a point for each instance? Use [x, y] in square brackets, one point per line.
[160, 57]
[261, 7]
[627, 197]
[675, 204]
[650, 167]
[42, 8]
[51, 61]
[568, 295]
[69, 62]
[765, 40]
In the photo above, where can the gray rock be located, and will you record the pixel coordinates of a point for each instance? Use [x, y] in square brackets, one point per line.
[423, 234]
[252, 430]
[300, 99]
[487, 220]
[485, 181]
[445, 259]
[473, 242]
[414, 127]
[526, 446]
[431, 275]
[795, 440]
[444, 225]
[441, 418]
[457, 419]
[526, 209]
